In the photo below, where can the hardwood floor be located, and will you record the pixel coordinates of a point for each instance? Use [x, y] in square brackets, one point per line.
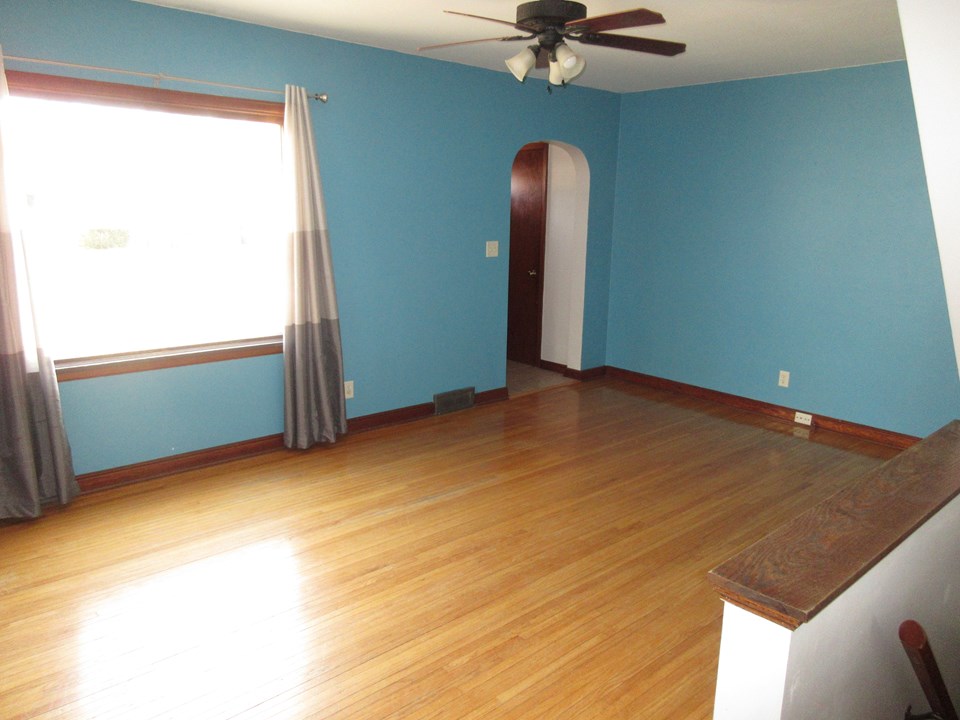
[543, 557]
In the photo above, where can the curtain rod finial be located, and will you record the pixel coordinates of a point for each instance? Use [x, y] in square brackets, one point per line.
[322, 97]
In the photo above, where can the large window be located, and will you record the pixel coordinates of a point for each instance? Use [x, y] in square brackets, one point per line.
[148, 226]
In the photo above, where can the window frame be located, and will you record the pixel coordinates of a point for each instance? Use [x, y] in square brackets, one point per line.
[65, 88]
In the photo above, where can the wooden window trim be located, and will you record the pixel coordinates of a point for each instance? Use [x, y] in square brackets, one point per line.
[64, 88]
[59, 87]
[103, 365]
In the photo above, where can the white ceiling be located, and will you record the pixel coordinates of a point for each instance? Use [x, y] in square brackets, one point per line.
[726, 39]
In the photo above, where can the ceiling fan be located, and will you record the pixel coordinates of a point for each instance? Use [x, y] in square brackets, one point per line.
[553, 22]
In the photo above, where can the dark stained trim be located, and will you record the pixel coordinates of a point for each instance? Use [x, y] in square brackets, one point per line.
[390, 417]
[491, 396]
[864, 432]
[62, 87]
[137, 472]
[200, 458]
[415, 412]
[553, 367]
[582, 375]
[85, 368]
[586, 375]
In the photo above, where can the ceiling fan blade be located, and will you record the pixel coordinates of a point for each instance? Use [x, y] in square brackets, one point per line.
[543, 58]
[518, 26]
[471, 42]
[628, 42]
[615, 21]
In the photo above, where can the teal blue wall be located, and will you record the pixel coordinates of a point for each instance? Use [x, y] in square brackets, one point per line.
[784, 224]
[415, 156]
[735, 230]
[124, 417]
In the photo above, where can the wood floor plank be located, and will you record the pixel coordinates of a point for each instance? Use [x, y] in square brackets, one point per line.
[542, 557]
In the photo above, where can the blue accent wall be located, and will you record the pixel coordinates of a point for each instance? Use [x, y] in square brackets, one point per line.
[415, 156]
[122, 419]
[784, 224]
[735, 230]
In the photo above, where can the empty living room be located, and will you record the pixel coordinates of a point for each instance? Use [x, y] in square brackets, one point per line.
[482, 360]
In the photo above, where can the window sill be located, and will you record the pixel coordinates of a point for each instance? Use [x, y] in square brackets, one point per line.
[91, 367]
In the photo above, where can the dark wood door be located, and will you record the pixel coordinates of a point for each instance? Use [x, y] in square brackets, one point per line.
[528, 226]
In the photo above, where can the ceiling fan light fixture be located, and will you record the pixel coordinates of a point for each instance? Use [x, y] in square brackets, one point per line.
[571, 64]
[565, 56]
[556, 71]
[523, 62]
[571, 75]
[551, 22]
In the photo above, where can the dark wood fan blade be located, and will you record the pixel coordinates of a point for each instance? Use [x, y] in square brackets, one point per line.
[518, 26]
[543, 58]
[471, 42]
[627, 42]
[615, 21]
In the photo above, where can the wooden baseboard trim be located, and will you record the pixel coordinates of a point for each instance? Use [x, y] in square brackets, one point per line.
[491, 396]
[389, 417]
[415, 412]
[137, 472]
[586, 375]
[864, 432]
[112, 477]
[582, 375]
[127, 474]
[553, 367]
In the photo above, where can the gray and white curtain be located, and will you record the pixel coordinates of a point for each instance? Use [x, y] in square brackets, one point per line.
[314, 404]
[35, 463]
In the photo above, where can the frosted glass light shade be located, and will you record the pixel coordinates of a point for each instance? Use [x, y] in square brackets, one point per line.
[565, 56]
[556, 73]
[571, 64]
[521, 63]
[574, 72]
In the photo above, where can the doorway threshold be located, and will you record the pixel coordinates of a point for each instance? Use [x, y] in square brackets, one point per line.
[523, 379]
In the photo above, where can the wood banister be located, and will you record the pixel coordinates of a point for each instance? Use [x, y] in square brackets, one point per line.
[797, 570]
[917, 646]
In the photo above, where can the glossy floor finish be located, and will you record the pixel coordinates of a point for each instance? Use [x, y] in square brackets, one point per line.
[543, 557]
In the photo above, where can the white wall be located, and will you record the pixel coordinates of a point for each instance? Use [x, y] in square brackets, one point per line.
[561, 190]
[933, 57]
[565, 255]
[753, 666]
[847, 662]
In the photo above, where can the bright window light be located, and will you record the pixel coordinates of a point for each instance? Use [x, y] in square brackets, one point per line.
[147, 230]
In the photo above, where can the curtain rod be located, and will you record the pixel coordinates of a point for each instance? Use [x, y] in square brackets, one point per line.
[157, 77]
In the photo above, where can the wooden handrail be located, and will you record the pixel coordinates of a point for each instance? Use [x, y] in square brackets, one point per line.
[798, 569]
[917, 646]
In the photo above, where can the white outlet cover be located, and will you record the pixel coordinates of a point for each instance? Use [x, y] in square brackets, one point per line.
[493, 248]
[348, 389]
[784, 380]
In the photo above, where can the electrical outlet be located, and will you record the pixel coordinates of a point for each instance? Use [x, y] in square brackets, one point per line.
[784, 379]
[803, 418]
[493, 248]
[348, 389]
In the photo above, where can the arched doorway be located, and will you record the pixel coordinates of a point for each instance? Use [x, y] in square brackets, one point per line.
[550, 189]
